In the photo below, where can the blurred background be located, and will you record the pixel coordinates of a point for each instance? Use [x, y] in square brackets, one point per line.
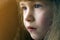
[8, 19]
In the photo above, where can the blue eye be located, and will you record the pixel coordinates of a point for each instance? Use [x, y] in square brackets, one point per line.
[24, 8]
[37, 5]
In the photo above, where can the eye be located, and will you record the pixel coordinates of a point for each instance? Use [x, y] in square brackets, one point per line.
[24, 8]
[37, 5]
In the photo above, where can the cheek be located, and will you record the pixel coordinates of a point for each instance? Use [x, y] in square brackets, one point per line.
[40, 17]
[24, 21]
[25, 14]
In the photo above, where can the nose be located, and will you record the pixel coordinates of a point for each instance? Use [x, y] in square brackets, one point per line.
[30, 17]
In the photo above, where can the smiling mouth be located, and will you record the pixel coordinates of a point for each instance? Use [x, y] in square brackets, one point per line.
[31, 29]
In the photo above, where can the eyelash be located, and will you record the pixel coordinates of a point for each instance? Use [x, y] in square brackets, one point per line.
[35, 6]
[24, 8]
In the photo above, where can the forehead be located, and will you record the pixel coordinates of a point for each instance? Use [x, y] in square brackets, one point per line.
[29, 2]
[47, 1]
[36, 0]
[33, 2]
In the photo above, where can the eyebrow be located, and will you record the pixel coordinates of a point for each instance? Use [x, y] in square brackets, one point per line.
[21, 3]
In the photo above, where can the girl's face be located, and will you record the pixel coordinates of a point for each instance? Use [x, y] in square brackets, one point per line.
[37, 17]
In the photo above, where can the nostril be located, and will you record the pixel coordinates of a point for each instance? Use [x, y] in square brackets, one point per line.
[28, 19]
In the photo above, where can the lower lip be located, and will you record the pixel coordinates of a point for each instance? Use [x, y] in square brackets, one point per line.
[31, 30]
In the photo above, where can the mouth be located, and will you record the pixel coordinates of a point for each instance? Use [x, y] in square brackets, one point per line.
[31, 29]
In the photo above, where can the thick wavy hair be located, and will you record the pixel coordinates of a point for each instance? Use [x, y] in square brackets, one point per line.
[53, 34]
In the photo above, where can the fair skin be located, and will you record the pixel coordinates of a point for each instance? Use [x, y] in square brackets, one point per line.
[36, 18]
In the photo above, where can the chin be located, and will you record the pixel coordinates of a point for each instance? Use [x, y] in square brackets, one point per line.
[36, 36]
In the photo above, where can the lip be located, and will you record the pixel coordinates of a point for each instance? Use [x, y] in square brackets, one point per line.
[30, 28]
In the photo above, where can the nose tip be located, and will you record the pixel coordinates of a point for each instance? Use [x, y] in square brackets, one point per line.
[30, 18]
